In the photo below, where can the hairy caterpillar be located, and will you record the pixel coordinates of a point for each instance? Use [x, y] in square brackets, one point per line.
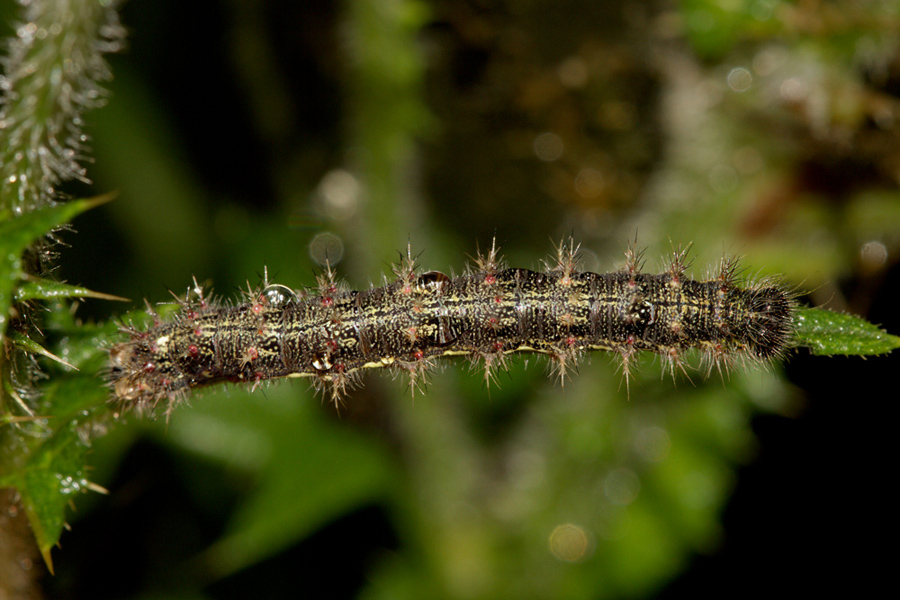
[488, 313]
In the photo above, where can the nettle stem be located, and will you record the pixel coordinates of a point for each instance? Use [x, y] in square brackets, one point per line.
[52, 74]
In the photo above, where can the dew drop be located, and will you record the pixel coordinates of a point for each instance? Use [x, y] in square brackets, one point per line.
[279, 295]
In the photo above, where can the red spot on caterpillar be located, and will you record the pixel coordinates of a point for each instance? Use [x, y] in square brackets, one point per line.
[193, 350]
[489, 279]
[418, 355]
[149, 367]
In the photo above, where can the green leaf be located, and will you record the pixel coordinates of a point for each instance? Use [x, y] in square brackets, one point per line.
[19, 233]
[83, 345]
[53, 471]
[23, 342]
[826, 333]
[47, 289]
[44, 456]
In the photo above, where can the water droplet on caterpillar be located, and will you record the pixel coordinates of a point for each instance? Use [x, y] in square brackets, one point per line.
[277, 295]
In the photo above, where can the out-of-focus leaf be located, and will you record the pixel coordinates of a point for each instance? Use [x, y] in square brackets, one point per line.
[714, 27]
[309, 469]
[825, 333]
[874, 215]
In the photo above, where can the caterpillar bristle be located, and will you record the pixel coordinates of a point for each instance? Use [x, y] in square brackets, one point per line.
[679, 264]
[564, 262]
[490, 363]
[634, 260]
[490, 263]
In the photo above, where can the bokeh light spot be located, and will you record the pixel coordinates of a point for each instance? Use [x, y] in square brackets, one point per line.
[622, 486]
[873, 254]
[548, 146]
[338, 194]
[326, 249]
[589, 183]
[740, 79]
[571, 543]
[653, 444]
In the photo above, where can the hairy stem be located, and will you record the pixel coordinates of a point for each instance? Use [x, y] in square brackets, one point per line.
[52, 74]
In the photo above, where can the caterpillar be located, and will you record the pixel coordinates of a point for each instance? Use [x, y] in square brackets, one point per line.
[331, 334]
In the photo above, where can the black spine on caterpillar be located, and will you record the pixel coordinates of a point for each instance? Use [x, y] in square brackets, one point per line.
[486, 314]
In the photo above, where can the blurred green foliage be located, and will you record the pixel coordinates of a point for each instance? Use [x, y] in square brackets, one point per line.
[280, 135]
